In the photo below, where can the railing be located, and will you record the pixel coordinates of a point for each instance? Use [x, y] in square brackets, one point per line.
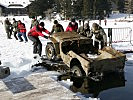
[117, 35]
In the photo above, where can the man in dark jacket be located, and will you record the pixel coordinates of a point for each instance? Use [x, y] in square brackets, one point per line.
[34, 22]
[33, 36]
[8, 28]
[15, 28]
[100, 35]
[57, 27]
[85, 30]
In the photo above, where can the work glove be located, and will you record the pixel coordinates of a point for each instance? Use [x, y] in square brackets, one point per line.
[46, 37]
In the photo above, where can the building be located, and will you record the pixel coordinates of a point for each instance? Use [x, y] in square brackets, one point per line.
[13, 7]
[2, 9]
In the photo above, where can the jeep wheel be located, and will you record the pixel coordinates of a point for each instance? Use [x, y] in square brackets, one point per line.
[50, 52]
[77, 71]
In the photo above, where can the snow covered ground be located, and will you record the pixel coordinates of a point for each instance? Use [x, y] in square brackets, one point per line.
[18, 55]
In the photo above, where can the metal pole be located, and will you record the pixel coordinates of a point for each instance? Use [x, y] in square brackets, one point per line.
[110, 36]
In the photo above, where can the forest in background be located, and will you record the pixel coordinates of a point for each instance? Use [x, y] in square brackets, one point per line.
[80, 9]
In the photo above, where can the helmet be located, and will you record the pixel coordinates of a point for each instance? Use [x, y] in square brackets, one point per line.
[41, 24]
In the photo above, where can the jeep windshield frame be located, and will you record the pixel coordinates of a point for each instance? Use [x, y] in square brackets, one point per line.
[78, 46]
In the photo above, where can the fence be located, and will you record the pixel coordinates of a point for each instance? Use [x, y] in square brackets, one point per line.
[117, 35]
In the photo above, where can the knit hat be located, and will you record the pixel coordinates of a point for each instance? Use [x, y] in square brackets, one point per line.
[55, 22]
[73, 20]
[41, 24]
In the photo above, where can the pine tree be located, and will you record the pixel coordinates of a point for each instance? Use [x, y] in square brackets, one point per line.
[128, 6]
[120, 4]
[57, 6]
[38, 7]
[101, 8]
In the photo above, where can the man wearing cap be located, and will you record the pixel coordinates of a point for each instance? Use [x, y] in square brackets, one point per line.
[34, 34]
[57, 27]
[72, 26]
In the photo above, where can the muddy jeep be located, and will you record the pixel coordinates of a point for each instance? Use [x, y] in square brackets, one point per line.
[79, 54]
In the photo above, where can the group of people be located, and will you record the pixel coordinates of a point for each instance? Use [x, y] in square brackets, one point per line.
[37, 28]
[100, 37]
[17, 28]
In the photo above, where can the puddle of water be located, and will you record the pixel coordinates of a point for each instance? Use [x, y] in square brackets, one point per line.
[112, 87]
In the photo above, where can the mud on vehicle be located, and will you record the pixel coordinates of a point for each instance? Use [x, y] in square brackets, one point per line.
[79, 54]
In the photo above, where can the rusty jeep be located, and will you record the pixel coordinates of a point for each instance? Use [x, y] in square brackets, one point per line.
[79, 54]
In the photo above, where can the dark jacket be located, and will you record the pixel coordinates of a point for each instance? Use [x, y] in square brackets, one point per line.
[8, 25]
[57, 28]
[84, 32]
[14, 26]
[100, 35]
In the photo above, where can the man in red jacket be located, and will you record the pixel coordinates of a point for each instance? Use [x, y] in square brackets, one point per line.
[22, 31]
[33, 36]
[72, 26]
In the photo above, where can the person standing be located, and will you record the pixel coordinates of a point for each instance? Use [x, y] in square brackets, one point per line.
[99, 21]
[57, 27]
[22, 31]
[100, 36]
[85, 30]
[8, 28]
[15, 28]
[34, 22]
[34, 34]
[72, 26]
[105, 21]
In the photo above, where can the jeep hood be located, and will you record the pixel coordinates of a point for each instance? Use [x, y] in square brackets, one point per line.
[64, 36]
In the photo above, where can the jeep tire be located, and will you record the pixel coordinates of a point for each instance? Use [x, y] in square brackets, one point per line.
[50, 51]
[77, 71]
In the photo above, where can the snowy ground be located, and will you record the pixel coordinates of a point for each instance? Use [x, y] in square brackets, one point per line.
[18, 55]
